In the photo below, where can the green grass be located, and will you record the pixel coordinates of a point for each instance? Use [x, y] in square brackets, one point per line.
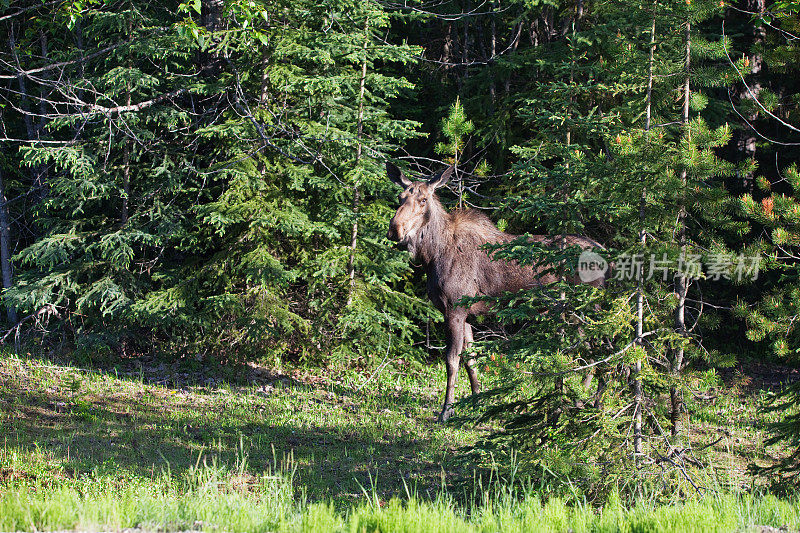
[337, 435]
[207, 499]
[304, 450]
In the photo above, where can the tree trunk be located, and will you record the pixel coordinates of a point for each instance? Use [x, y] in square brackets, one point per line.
[38, 172]
[126, 153]
[464, 49]
[745, 137]
[351, 263]
[681, 281]
[126, 178]
[637, 366]
[5, 250]
[40, 182]
[211, 18]
[447, 48]
[492, 54]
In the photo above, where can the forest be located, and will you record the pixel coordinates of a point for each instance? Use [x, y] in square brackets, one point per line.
[205, 325]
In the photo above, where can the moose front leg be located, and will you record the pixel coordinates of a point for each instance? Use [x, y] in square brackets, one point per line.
[455, 344]
[470, 362]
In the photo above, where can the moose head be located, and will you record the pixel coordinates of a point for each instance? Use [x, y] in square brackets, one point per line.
[418, 205]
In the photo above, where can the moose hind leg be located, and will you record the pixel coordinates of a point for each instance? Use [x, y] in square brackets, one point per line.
[470, 363]
[455, 344]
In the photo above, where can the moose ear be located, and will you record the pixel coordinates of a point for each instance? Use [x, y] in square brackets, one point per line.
[441, 179]
[396, 175]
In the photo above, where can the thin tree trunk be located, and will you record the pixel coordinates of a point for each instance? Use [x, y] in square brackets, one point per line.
[264, 80]
[651, 60]
[447, 48]
[351, 263]
[5, 250]
[126, 154]
[81, 66]
[517, 32]
[681, 281]
[465, 49]
[211, 12]
[126, 178]
[40, 183]
[745, 137]
[32, 130]
[459, 178]
[492, 53]
[23, 90]
[42, 97]
[637, 366]
[562, 296]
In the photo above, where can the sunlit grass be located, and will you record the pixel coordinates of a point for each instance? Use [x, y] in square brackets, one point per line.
[339, 430]
[307, 451]
[214, 498]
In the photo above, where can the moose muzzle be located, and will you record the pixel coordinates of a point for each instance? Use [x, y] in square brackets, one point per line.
[393, 234]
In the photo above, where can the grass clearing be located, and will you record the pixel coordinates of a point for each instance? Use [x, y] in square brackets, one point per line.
[157, 447]
[139, 423]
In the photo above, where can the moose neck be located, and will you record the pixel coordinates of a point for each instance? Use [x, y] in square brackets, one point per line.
[432, 238]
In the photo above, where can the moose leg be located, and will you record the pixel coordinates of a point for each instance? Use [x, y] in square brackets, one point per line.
[455, 344]
[470, 362]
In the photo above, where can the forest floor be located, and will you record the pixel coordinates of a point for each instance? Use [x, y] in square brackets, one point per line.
[336, 437]
[340, 432]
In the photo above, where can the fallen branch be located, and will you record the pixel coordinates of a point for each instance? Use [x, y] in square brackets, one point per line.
[380, 367]
[48, 309]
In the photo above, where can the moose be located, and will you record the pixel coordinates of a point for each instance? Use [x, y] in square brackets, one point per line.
[450, 248]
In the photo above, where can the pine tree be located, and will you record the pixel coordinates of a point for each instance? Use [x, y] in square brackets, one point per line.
[583, 384]
[773, 317]
[775, 212]
[456, 129]
[111, 127]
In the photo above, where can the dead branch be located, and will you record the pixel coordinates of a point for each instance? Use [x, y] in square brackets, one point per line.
[48, 309]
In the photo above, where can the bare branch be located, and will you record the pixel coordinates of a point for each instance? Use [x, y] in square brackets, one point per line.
[26, 9]
[749, 90]
[102, 110]
[54, 66]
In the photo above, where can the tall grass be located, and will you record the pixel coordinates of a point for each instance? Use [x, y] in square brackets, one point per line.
[211, 497]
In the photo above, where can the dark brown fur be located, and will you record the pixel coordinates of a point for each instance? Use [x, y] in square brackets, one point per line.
[449, 246]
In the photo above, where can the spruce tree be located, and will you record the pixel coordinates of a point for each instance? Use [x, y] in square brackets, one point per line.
[215, 179]
[583, 385]
[772, 206]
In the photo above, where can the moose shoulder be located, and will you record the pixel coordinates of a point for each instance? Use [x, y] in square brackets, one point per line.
[449, 246]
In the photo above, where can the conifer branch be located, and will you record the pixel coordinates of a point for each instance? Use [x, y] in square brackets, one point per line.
[749, 90]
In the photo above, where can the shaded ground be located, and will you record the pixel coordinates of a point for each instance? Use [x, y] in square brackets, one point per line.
[341, 433]
[730, 420]
[752, 377]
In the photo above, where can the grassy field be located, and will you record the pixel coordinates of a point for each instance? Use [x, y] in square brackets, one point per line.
[152, 445]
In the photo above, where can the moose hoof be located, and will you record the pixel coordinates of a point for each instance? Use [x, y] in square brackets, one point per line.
[446, 413]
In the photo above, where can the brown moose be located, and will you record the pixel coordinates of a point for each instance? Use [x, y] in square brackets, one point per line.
[449, 246]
